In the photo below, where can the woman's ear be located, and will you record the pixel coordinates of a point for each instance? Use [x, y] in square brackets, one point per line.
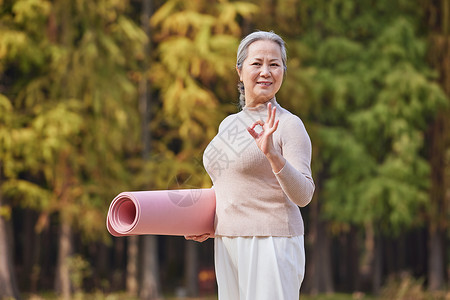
[239, 73]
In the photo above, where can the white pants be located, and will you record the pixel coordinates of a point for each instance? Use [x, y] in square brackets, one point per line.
[259, 268]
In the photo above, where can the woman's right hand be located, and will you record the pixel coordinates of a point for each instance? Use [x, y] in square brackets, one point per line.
[198, 238]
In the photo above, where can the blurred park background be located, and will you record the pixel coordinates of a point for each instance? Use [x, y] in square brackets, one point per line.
[100, 97]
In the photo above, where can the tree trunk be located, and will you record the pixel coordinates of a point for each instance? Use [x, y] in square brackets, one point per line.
[439, 143]
[325, 278]
[36, 271]
[348, 260]
[367, 259]
[62, 280]
[144, 91]
[30, 253]
[8, 285]
[132, 263]
[149, 284]
[191, 268]
[435, 261]
[150, 269]
[318, 275]
[353, 259]
[377, 266]
[438, 210]
[118, 276]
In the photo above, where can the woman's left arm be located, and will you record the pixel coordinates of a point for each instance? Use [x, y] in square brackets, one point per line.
[292, 167]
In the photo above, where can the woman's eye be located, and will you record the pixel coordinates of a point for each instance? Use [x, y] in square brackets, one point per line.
[256, 64]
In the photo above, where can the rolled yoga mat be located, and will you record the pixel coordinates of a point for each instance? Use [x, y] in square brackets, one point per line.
[165, 212]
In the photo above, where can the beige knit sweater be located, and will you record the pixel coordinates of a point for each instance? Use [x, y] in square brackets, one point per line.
[251, 200]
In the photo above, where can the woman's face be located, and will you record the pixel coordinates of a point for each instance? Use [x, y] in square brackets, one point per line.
[262, 72]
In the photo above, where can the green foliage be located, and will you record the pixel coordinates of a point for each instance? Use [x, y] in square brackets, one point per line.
[382, 100]
[80, 269]
[195, 53]
[358, 77]
[72, 114]
[6, 109]
[70, 129]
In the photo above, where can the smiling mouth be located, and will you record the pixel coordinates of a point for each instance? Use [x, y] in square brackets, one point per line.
[264, 83]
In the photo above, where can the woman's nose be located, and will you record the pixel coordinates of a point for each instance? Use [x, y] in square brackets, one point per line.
[265, 71]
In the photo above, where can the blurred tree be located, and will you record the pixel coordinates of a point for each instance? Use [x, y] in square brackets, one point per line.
[195, 55]
[8, 284]
[66, 67]
[193, 74]
[367, 95]
[150, 267]
[374, 99]
[438, 21]
[70, 135]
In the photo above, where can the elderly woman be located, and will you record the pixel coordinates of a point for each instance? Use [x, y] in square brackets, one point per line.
[259, 163]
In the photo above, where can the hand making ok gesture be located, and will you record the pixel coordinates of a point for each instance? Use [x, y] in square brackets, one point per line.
[264, 139]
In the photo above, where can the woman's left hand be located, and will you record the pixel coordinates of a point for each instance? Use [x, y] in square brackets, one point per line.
[198, 238]
[264, 138]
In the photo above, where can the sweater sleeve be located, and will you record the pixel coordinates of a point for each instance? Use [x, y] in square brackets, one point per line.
[295, 177]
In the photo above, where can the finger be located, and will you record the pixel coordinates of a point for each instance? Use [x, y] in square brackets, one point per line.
[197, 238]
[272, 115]
[269, 110]
[259, 122]
[272, 129]
[191, 237]
[275, 126]
[204, 238]
[252, 132]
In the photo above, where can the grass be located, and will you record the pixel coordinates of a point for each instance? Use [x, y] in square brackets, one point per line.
[124, 296]
[354, 296]
[336, 296]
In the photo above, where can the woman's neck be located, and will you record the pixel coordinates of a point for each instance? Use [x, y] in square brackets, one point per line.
[256, 103]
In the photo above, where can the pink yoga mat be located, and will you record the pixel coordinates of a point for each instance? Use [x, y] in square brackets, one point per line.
[166, 212]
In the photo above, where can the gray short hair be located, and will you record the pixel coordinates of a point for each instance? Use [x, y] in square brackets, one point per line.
[242, 54]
